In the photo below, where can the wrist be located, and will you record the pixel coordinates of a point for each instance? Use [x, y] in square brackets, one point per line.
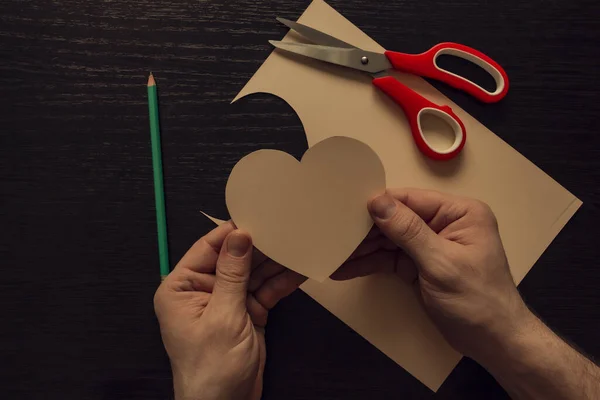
[192, 387]
[514, 340]
[534, 363]
[505, 333]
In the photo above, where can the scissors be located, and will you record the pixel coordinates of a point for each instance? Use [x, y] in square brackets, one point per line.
[332, 50]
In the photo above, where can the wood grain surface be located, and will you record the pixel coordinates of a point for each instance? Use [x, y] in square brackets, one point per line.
[78, 246]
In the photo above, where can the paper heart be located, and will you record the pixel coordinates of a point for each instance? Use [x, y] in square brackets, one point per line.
[311, 215]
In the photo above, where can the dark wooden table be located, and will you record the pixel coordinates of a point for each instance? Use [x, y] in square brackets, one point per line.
[78, 247]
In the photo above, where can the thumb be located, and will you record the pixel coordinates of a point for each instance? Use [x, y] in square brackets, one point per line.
[233, 269]
[402, 226]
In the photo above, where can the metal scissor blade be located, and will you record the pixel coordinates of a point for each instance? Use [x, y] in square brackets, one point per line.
[366, 61]
[314, 35]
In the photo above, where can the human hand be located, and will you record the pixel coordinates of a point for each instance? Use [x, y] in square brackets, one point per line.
[212, 326]
[449, 248]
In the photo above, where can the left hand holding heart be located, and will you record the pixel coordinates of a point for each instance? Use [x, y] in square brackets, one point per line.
[212, 326]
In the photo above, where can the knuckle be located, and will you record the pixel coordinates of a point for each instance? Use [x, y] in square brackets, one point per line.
[233, 272]
[268, 299]
[408, 226]
[200, 241]
[481, 207]
[261, 315]
[201, 244]
[257, 312]
[264, 318]
[278, 286]
[484, 211]
[275, 290]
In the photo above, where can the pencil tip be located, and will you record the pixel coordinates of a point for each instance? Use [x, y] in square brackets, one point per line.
[151, 81]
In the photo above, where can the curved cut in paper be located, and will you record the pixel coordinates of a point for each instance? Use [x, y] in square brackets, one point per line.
[530, 206]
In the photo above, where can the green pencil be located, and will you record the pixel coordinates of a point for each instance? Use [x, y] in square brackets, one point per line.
[159, 196]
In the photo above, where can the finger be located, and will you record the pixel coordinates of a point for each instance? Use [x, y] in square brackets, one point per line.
[258, 258]
[233, 269]
[257, 312]
[202, 256]
[164, 308]
[405, 268]
[263, 272]
[278, 287]
[437, 209]
[403, 227]
[185, 280]
[370, 246]
[216, 237]
[379, 261]
[425, 203]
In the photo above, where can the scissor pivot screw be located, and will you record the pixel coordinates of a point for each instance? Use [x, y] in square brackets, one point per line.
[364, 60]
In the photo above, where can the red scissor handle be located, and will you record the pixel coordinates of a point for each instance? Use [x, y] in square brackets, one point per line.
[415, 107]
[424, 64]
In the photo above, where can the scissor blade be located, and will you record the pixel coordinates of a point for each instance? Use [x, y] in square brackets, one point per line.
[351, 58]
[314, 35]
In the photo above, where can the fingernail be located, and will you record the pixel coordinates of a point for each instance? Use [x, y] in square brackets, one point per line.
[383, 206]
[238, 244]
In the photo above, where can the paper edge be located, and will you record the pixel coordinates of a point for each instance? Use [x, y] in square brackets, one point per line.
[555, 229]
[245, 91]
[432, 384]
[216, 221]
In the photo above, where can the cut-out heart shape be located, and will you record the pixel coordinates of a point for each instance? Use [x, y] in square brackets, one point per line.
[311, 215]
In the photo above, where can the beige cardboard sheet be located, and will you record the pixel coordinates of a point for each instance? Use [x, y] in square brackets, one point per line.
[329, 100]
